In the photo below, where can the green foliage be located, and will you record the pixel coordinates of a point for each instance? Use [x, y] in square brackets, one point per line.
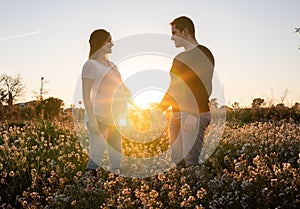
[50, 108]
[255, 166]
[274, 113]
[35, 157]
[257, 102]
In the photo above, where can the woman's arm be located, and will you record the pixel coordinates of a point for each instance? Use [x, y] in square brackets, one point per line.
[86, 92]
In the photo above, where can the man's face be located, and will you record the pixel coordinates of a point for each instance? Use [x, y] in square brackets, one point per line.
[177, 36]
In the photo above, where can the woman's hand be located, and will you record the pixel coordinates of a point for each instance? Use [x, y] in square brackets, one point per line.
[93, 126]
[189, 123]
[134, 105]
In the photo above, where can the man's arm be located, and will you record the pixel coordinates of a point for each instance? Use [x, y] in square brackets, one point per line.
[165, 102]
[168, 100]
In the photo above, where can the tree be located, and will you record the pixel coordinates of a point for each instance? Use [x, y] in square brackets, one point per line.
[235, 105]
[50, 108]
[10, 88]
[257, 102]
[2, 95]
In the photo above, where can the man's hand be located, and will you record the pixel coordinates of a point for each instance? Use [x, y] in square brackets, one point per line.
[157, 116]
[189, 123]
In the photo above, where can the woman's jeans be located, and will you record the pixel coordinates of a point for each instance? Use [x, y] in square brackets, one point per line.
[109, 137]
[187, 145]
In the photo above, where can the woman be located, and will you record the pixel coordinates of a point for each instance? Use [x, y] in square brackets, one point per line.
[105, 98]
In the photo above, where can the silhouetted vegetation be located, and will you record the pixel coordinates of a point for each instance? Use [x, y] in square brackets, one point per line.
[10, 88]
[257, 113]
[49, 108]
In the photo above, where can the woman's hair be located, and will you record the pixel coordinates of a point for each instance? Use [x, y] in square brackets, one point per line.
[97, 40]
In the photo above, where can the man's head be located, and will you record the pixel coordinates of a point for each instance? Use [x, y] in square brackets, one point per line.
[182, 29]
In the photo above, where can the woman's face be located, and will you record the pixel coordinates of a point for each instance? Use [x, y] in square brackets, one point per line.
[106, 48]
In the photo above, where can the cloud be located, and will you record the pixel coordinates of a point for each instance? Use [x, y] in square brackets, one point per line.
[20, 35]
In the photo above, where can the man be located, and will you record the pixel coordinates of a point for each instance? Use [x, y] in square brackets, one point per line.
[188, 94]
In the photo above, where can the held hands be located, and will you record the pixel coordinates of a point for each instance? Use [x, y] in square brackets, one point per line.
[157, 116]
[134, 105]
[189, 123]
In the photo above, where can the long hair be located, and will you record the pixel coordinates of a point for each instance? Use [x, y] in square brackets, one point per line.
[97, 40]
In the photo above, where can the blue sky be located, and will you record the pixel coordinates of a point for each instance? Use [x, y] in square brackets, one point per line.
[254, 43]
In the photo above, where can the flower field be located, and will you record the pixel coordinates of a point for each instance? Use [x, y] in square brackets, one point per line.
[42, 165]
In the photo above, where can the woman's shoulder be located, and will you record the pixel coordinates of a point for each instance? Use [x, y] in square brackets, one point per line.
[89, 68]
[93, 64]
[89, 63]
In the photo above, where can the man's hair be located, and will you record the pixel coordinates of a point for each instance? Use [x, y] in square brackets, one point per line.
[183, 22]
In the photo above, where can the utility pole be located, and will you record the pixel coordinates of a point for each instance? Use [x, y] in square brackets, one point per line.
[41, 89]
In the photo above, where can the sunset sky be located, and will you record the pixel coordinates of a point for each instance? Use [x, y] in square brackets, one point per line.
[254, 43]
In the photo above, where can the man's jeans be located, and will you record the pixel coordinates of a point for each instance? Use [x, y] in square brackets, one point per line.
[187, 145]
[110, 138]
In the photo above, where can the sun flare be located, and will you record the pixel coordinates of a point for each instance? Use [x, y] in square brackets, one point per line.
[145, 98]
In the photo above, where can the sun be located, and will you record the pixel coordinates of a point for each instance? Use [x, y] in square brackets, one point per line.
[146, 97]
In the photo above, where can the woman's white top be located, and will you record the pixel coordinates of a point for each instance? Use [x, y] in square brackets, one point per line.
[109, 96]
